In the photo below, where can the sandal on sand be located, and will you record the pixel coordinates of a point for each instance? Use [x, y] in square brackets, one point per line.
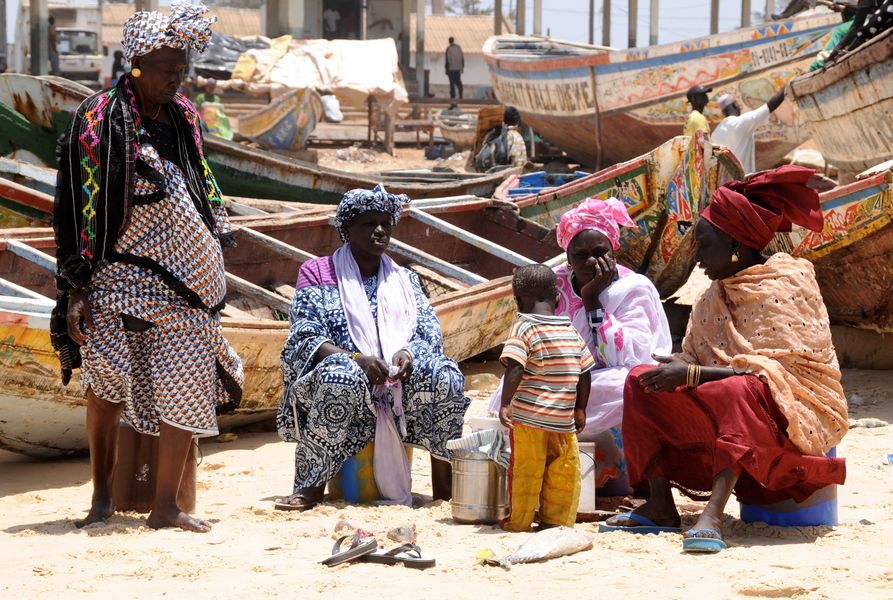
[707, 541]
[358, 547]
[408, 554]
[645, 525]
[298, 502]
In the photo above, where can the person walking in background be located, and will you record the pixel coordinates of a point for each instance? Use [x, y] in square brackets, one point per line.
[697, 97]
[455, 65]
[53, 46]
[544, 396]
[736, 130]
[119, 67]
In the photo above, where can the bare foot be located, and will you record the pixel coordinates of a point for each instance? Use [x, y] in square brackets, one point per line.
[177, 518]
[100, 510]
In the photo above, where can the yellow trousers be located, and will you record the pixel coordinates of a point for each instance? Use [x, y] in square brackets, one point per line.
[546, 468]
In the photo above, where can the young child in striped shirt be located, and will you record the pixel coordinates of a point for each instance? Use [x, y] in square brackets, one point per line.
[544, 397]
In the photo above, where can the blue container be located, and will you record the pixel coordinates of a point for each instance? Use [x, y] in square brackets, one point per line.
[818, 509]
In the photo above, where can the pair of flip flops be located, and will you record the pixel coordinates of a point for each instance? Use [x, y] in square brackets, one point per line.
[645, 525]
[365, 549]
[705, 541]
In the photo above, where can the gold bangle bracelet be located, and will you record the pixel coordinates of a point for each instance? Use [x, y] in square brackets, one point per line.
[355, 355]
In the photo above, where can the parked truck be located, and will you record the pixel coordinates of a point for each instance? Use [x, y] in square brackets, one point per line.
[79, 33]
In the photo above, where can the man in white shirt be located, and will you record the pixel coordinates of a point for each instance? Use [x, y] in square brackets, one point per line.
[736, 130]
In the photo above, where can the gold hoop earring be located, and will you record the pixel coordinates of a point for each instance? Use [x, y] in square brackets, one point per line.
[135, 72]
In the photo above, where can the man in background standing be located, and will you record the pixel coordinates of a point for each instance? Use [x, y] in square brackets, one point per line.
[697, 97]
[455, 65]
[52, 47]
[736, 130]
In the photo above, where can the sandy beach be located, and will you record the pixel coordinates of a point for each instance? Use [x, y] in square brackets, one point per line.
[255, 551]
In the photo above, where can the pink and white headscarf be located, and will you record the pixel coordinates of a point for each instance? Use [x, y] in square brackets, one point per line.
[185, 27]
[604, 216]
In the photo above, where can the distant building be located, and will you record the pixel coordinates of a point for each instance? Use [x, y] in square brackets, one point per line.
[470, 32]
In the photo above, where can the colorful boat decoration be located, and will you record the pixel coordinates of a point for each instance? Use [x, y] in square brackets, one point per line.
[40, 111]
[853, 254]
[604, 106]
[664, 191]
[285, 123]
[847, 107]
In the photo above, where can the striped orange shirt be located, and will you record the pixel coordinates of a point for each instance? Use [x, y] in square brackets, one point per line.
[553, 356]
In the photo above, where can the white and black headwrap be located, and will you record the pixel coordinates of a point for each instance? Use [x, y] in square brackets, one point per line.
[359, 201]
[184, 27]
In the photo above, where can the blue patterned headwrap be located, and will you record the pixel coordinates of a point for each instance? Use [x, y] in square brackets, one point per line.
[359, 201]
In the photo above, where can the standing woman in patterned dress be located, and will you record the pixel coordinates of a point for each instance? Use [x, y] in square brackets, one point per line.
[140, 227]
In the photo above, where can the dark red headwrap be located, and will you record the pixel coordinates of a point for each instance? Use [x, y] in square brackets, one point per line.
[751, 211]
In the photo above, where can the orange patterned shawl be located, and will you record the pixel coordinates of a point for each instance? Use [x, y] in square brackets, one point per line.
[769, 320]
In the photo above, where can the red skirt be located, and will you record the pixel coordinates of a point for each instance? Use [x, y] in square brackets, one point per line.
[691, 435]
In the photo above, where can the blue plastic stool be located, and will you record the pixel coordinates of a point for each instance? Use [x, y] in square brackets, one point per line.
[818, 509]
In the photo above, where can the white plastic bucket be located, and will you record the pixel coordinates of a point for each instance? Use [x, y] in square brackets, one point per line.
[587, 478]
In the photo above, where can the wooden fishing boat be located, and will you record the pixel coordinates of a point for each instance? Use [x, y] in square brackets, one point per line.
[463, 253]
[458, 129]
[853, 254]
[847, 107]
[35, 111]
[664, 191]
[604, 105]
[285, 123]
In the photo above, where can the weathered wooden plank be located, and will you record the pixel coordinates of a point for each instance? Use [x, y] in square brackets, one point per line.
[13, 289]
[243, 210]
[470, 238]
[434, 263]
[41, 259]
[255, 292]
[30, 305]
[273, 244]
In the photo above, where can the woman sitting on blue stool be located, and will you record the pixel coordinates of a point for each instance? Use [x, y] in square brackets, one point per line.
[754, 402]
[364, 360]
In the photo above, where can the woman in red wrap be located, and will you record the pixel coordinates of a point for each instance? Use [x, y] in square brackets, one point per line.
[753, 402]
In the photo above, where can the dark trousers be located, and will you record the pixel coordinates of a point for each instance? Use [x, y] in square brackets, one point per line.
[455, 82]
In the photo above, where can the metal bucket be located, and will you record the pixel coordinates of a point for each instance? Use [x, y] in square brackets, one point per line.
[479, 489]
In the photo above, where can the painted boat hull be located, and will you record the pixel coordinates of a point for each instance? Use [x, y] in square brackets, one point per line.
[605, 106]
[47, 105]
[286, 123]
[853, 254]
[847, 107]
[664, 191]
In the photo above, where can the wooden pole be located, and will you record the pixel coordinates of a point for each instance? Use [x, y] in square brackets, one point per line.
[745, 13]
[633, 22]
[521, 18]
[537, 17]
[714, 17]
[592, 22]
[39, 14]
[653, 15]
[770, 8]
[364, 19]
[420, 47]
[606, 22]
[497, 17]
